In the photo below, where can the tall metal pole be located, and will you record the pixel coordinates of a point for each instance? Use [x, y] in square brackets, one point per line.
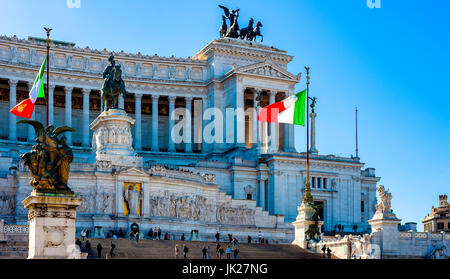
[307, 197]
[356, 112]
[48, 70]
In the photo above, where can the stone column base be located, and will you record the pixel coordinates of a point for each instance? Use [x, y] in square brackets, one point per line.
[51, 221]
[301, 225]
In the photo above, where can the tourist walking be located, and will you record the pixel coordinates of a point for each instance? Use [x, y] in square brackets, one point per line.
[150, 233]
[260, 235]
[221, 251]
[88, 231]
[112, 246]
[235, 253]
[228, 252]
[177, 251]
[83, 233]
[329, 252]
[99, 250]
[217, 237]
[324, 250]
[204, 252]
[182, 237]
[185, 251]
[235, 242]
[230, 237]
[249, 239]
[155, 233]
[159, 233]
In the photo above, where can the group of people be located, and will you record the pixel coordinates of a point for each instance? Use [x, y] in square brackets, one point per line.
[326, 250]
[86, 247]
[340, 228]
[260, 237]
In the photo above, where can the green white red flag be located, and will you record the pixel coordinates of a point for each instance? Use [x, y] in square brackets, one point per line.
[26, 107]
[290, 110]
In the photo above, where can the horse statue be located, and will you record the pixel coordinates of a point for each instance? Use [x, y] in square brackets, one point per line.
[257, 31]
[113, 85]
[223, 29]
[246, 32]
[233, 32]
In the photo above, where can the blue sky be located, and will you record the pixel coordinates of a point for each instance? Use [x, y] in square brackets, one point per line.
[392, 62]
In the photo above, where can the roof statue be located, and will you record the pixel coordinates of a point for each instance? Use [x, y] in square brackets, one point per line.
[49, 159]
[232, 31]
[113, 84]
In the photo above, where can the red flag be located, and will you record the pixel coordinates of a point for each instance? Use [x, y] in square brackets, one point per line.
[23, 109]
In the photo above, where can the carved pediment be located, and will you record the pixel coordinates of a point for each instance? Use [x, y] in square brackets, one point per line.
[133, 172]
[267, 69]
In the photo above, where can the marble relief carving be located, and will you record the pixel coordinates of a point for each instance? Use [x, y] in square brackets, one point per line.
[198, 208]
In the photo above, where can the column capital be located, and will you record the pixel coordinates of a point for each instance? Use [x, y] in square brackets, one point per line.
[52, 87]
[138, 96]
[172, 98]
[86, 91]
[188, 99]
[273, 92]
[13, 82]
[68, 89]
[257, 91]
[155, 97]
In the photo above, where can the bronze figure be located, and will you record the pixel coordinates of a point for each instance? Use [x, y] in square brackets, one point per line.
[247, 33]
[113, 84]
[49, 159]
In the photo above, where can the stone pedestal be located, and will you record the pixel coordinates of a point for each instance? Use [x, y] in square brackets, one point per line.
[51, 221]
[385, 224]
[302, 223]
[112, 139]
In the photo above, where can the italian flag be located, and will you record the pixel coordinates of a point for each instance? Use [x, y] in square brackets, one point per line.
[291, 110]
[26, 107]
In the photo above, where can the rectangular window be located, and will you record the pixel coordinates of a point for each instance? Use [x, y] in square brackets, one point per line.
[324, 183]
[440, 226]
[319, 180]
[362, 206]
[313, 182]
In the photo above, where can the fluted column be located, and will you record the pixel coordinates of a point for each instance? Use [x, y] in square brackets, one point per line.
[273, 126]
[155, 113]
[86, 116]
[31, 132]
[171, 123]
[138, 127]
[204, 108]
[51, 113]
[12, 103]
[68, 116]
[256, 124]
[188, 125]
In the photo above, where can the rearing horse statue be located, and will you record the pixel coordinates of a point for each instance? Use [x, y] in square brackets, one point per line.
[113, 85]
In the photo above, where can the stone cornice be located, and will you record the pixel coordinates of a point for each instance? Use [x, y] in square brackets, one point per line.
[247, 49]
[99, 53]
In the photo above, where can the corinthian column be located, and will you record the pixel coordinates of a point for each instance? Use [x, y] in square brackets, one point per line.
[171, 122]
[68, 116]
[51, 90]
[188, 125]
[31, 132]
[273, 126]
[155, 112]
[137, 128]
[12, 103]
[86, 116]
[256, 107]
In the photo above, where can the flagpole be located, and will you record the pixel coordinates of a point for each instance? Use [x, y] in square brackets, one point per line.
[48, 69]
[307, 197]
[356, 126]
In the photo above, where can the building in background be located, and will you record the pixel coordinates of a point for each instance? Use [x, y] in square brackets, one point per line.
[171, 179]
[439, 218]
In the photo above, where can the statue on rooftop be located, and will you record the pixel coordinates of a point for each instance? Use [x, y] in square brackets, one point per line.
[113, 84]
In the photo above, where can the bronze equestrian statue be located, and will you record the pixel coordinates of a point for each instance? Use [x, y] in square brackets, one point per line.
[113, 85]
[49, 159]
[223, 29]
[246, 32]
